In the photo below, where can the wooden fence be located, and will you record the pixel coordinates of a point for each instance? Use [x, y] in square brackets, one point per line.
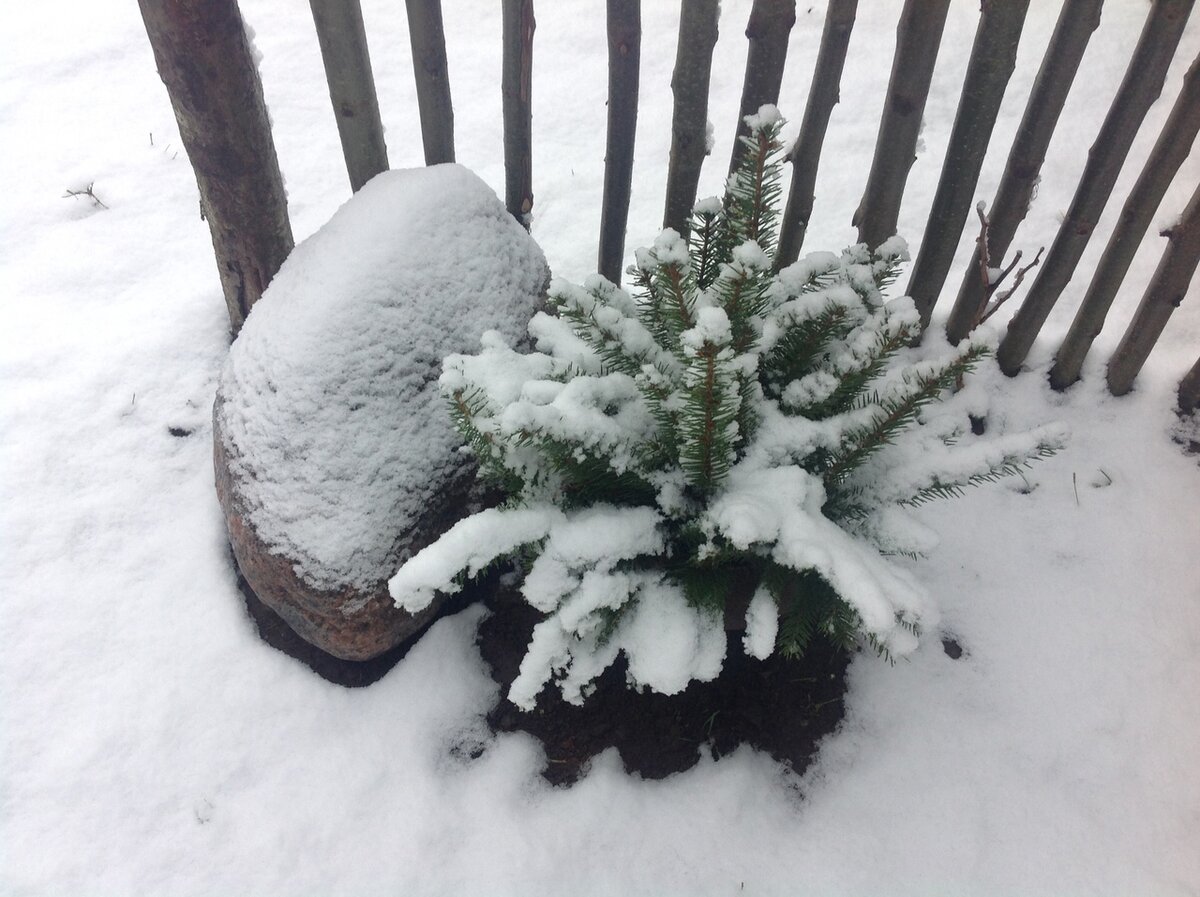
[224, 126]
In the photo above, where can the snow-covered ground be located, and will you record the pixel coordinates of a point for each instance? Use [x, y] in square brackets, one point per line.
[153, 745]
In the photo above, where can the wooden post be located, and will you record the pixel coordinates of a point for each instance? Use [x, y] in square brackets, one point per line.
[1164, 294]
[1189, 390]
[1076, 23]
[204, 59]
[624, 55]
[431, 73]
[1140, 87]
[918, 37]
[516, 88]
[993, 58]
[770, 25]
[689, 118]
[347, 62]
[1172, 147]
[805, 154]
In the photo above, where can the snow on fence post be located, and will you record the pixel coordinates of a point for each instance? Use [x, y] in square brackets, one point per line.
[689, 117]
[343, 41]
[1164, 294]
[1173, 145]
[515, 87]
[770, 25]
[805, 154]
[993, 58]
[1139, 88]
[918, 37]
[431, 73]
[1189, 390]
[1076, 23]
[205, 60]
[624, 59]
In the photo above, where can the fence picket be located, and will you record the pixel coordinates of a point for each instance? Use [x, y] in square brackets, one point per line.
[1164, 294]
[431, 72]
[1076, 23]
[624, 58]
[993, 58]
[805, 154]
[689, 117]
[1140, 87]
[347, 62]
[769, 27]
[918, 37]
[1172, 147]
[205, 62]
[516, 83]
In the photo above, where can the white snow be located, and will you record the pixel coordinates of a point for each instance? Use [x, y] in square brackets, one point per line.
[338, 433]
[151, 744]
[762, 624]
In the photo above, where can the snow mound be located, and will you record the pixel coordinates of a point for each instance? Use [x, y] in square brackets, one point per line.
[329, 402]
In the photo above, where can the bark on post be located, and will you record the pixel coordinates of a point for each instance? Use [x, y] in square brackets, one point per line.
[770, 25]
[993, 58]
[805, 154]
[918, 37]
[624, 59]
[1172, 147]
[1140, 87]
[1076, 23]
[1164, 294]
[430, 70]
[516, 83]
[1189, 390]
[343, 41]
[204, 59]
[689, 118]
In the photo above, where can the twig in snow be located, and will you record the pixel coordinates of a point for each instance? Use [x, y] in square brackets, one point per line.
[990, 284]
[87, 191]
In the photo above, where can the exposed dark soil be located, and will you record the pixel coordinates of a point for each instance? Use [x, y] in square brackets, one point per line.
[783, 707]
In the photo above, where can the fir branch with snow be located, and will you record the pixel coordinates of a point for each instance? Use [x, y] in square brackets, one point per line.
[728, 431]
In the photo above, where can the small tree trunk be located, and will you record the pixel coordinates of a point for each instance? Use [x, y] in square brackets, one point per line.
[624, 55]
[204, 59]
[1173, 146]
[993, 58]
[1189, 390]
[515, 86]
[770, 25]
[1141, 86]
[689, 118]
[918, 37]
[805, 154]
[1166, 290]
[1076, 23]
[343, 43]
[432, 76]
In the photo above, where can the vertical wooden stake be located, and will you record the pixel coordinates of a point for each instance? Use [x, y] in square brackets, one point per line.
[993, 58]
[918, 38]
[769, 27]
[805, 154]
[516, 87]
[343, 41]
[689, 117]
[431, 72]
[204, 59]
[1171, 148]
[1140, 87]
[624, 57]
[1164, 294]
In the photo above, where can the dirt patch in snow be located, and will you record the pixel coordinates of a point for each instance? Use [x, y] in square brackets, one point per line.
[783, 707]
